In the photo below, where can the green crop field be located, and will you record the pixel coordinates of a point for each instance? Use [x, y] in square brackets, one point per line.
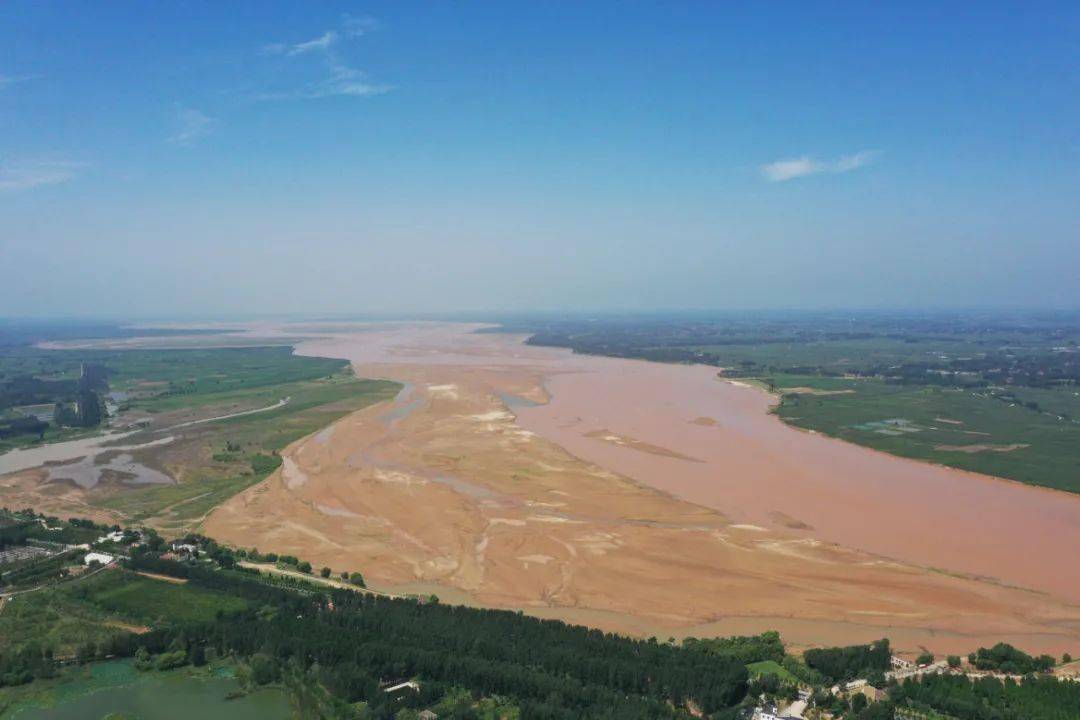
[162, 380]
[136, 598]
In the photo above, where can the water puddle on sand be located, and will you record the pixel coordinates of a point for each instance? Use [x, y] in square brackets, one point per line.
[367, 459]
[404, 405]
[87, 472]
[71, 450]
[517, 401]
[114, 689]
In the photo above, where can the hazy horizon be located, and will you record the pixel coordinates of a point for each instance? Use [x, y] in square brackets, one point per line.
[401, 158]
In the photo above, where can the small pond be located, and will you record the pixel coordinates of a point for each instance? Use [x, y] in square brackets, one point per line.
[117, 689]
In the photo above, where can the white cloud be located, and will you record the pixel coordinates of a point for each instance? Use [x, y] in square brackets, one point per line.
[28, 174]
[355, 26]
[782, 170]
[192, 125]
[8, 80]
[340, 78]
[321, 43]
[317, 45]
[344, 80]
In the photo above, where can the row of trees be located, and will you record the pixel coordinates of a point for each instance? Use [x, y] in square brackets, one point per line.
[1005, 658]
[1033, 698]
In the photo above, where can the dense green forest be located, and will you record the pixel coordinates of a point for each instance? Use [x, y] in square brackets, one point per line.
[1033, 698]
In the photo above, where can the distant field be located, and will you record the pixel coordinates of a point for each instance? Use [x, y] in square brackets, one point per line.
[964, 428]
[151, 382]
[211, 461]
[162, 380]
[838, 355]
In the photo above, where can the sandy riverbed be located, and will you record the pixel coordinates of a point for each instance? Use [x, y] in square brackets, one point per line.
[654, 499]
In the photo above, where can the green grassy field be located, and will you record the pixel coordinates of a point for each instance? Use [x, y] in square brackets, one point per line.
[839, 355]
[136, 598]
[771, 667]
[969, 429]
[163, 380]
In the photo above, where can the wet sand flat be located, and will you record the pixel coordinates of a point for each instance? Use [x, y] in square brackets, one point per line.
[590, 489]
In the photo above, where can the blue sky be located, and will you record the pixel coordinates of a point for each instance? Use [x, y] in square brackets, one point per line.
[207, 157]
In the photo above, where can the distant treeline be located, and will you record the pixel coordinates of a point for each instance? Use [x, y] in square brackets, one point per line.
[1035, 352]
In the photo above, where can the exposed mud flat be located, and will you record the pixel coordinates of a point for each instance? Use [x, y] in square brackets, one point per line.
[678, 525]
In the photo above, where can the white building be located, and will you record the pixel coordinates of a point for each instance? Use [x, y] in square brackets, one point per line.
[97, 557]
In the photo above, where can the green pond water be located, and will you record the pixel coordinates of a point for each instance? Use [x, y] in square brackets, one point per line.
[117, 688]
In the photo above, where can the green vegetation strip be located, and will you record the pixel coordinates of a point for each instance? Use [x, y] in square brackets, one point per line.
[968, 429]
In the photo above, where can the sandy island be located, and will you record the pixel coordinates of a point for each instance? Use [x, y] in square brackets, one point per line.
[652, 499]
